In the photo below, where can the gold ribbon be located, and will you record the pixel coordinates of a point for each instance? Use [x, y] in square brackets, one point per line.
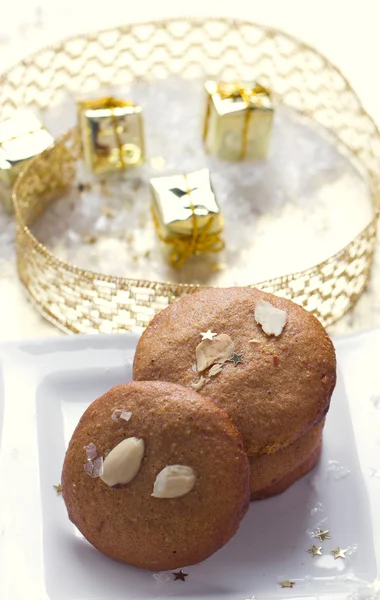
[252, 96]
[110, 103]
[198, 241]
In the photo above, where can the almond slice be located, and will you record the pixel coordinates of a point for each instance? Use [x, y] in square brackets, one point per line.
[174, 481]
[209, 352]
[271, 319]
[123, 463]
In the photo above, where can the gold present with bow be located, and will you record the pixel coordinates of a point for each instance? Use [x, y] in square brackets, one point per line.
[21, 137]
[112, 134]
[238, 120]
[186, 215]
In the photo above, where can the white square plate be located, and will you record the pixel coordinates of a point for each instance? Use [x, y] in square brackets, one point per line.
[45, 387]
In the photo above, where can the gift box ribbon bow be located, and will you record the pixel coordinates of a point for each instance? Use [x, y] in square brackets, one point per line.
[252, 95]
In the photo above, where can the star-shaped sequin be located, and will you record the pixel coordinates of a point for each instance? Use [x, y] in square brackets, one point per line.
[58, 489]
[287, 583]
[180, 575]
[208, 335]
[237, 358]
[322, 535]
[339, 553]
[315, 550]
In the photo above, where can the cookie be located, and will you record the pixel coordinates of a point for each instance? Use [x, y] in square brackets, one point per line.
[283, 372]
[156, 476]
[271, 471]
[281, 485]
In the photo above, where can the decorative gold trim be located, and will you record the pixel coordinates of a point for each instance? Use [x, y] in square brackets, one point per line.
[82, 301]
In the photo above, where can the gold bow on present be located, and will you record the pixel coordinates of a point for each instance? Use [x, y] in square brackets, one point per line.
[252, 95]
[199, 240]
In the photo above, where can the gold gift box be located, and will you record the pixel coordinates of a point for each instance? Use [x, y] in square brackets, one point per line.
[187, 215]
[238, 120]
[112, 134]
[21, 137]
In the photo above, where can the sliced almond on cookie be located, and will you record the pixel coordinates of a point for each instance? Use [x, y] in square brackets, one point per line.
[174, 481]
[271, 319]
[123, 463]
[209, 352]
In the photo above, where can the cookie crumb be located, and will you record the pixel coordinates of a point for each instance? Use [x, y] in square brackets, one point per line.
[276, 361]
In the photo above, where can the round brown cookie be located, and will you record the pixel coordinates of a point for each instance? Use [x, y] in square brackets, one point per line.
[283, 387]
[177, 427]
[285, 482]
[267, 470]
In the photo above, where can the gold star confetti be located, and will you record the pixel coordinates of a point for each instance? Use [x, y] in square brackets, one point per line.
[208, 335]
[322, 535]
[315, 550]
[339, 553]
[58, 489]
[180, 575]
[287, 584]
[237, 358]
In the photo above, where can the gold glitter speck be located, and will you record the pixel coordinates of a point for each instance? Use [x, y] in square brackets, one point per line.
[287, 584]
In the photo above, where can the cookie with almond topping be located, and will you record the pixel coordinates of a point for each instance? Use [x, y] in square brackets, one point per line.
[156, 476]
[275, 364]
